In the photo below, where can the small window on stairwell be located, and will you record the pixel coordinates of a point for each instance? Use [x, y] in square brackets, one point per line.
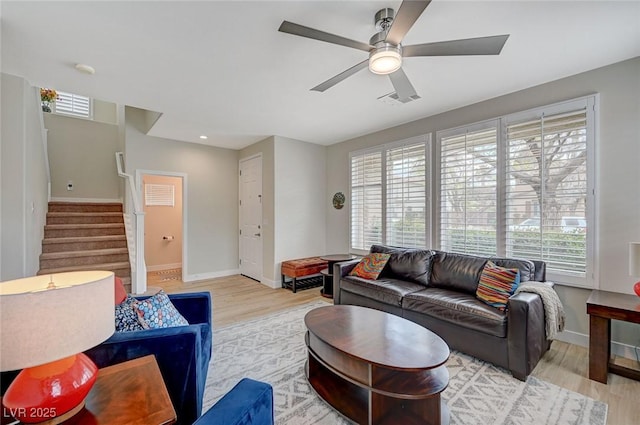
[73, 105]
[159, 195]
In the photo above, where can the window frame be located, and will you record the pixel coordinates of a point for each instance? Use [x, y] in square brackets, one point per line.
[383, 149]
[591, 105]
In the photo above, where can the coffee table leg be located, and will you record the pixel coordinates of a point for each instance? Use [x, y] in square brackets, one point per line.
[599, 348]
[429, 411]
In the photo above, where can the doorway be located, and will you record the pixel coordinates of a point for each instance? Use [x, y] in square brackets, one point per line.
[250, 219]
[162, 196]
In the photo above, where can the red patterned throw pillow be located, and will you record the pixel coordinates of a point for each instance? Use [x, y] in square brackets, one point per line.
[370, 266]
[497, 284]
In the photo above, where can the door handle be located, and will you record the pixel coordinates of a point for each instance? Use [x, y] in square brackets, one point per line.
[256, 234]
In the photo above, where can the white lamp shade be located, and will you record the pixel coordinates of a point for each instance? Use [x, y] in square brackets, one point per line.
[40, 325]
[634, 259]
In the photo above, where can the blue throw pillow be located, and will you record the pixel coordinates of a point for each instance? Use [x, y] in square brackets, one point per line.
[158, 312]
[126, 316]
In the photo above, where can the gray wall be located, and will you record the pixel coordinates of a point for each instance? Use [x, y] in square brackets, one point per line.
[83, 151]
[300, 200]
[210, 199]
[23, 179]
[618, 174]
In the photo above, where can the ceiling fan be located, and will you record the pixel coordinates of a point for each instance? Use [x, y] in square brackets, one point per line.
[386, 51]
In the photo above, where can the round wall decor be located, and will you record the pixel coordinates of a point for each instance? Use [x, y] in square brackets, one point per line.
[338, 200]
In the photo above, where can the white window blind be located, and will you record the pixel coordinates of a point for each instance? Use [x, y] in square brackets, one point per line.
[73, 104]
[366, 200]
[523, 186]
[468, 197]
[159, 195]
[406, 195]
[389, 187]
[546, 190]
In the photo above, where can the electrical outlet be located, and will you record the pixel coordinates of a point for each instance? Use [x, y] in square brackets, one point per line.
[70, 185]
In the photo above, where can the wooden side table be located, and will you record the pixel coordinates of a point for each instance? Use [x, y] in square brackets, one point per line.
[327, 274]
[602, 306]
[131, 393]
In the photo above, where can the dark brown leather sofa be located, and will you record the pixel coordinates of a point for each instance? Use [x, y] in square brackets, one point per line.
[437, 290]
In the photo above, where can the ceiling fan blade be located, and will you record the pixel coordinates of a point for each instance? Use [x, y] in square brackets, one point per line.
[302, 31]
[342, 76]
[471, 46]
[402, 85]
[408, 14]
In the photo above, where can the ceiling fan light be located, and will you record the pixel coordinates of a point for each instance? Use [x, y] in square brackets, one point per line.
[385, 60]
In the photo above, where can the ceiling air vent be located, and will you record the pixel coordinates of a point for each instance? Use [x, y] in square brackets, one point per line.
[393, 99]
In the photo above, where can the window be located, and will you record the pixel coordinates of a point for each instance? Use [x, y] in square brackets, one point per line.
[159, 195]
[73, 104]
[522, 186]
[389, 189]
[468, 184]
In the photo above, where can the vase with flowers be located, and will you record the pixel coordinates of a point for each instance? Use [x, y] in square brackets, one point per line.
[47, 96]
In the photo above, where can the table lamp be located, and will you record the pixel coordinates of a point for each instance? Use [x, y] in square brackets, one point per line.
[46, 322]
[634, 264]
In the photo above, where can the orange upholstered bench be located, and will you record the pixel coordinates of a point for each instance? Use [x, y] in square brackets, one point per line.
[300, 268]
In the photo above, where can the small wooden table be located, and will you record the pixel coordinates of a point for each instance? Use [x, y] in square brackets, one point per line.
[376, 368]
[131, 393]
[602, 306]
[327, 274]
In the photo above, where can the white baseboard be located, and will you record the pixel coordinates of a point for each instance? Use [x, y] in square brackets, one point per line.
[212, 275]
[164, 267]
[87, 200]
[273, 284]
[617, 348]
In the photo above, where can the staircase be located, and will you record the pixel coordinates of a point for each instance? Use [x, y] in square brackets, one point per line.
[85, 236]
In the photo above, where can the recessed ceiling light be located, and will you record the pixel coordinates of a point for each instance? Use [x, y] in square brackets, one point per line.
[203, 137]
[85, 69]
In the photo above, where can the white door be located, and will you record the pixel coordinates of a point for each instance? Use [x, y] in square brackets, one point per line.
[251, 218]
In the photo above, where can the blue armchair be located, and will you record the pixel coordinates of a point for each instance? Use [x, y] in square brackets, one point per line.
[182, 353]
[248, 403]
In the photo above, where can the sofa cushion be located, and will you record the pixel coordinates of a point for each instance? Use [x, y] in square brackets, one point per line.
[384, 290]
[409, 264]
[371, 265]
[158, 312]
[497, 284]
[459, 309]
[459, 272]
[527, 268]
[126, 317]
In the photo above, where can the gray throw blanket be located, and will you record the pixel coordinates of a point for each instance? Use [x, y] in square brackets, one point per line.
[553, 310]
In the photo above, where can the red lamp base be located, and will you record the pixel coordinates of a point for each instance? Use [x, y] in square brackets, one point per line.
[636, 288]
[53, 392]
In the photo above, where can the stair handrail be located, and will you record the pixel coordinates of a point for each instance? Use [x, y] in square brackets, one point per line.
[132, 187]
[139, 281]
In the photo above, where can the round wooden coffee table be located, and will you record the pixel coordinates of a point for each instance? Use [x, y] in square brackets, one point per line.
[376, 368]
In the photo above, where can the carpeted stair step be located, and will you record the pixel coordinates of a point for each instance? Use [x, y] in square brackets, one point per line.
[83, 243]
[84, 217]
[75, 230]
[80, 258]
[121, 269]
[80, 207]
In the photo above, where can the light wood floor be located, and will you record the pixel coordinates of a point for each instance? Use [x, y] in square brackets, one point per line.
[237, 298]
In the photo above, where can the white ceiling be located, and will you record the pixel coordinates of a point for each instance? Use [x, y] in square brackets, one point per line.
[222, 68]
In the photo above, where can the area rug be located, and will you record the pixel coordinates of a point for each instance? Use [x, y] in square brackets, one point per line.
[272, 349]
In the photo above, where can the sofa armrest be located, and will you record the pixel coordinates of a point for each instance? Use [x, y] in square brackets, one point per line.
[526, 333]
[182, 359]
[248, 403]
[340, 270]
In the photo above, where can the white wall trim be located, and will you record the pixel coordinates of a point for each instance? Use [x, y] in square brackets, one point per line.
[273, 284]
[206, 276]
[617, 348]
[161, 267]
[90, 200]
